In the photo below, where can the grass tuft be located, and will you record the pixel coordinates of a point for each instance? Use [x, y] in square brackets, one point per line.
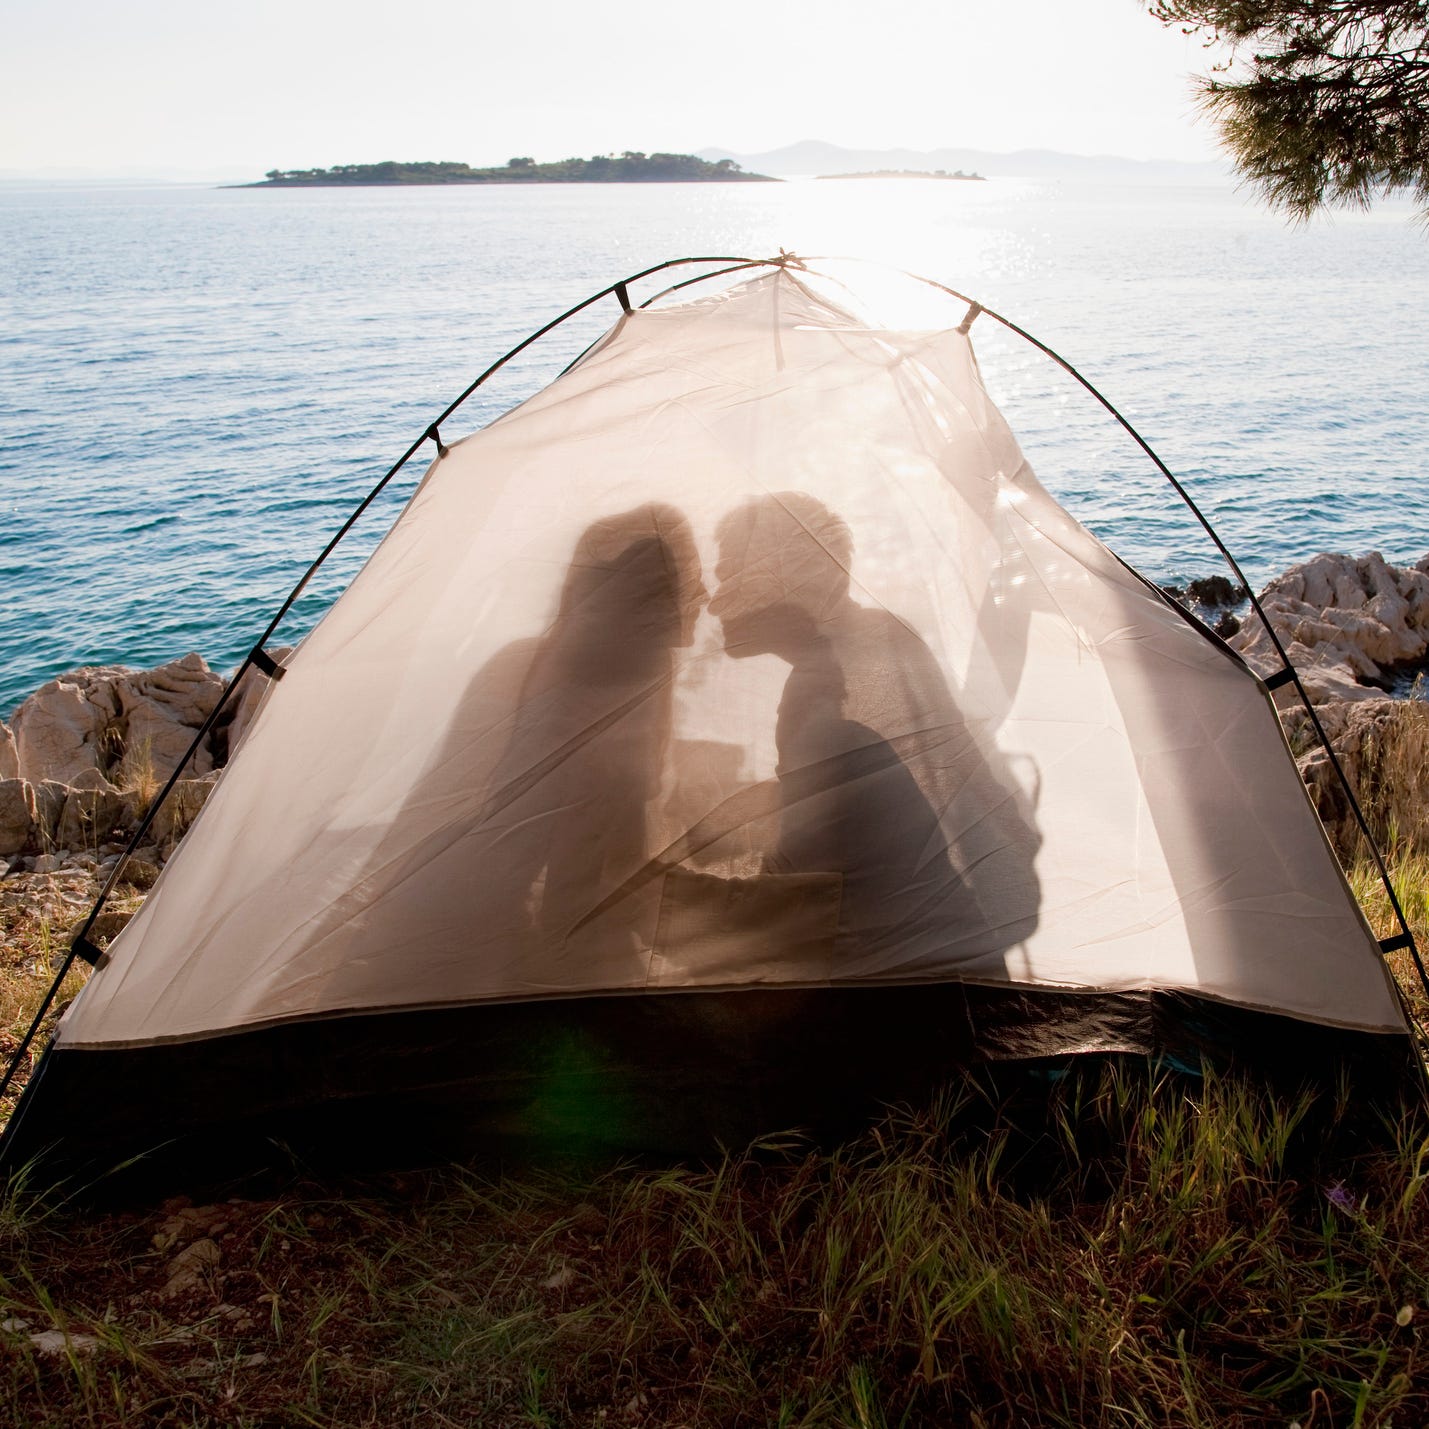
[1394, 773]
[1149, 1250]
[1210, 1266]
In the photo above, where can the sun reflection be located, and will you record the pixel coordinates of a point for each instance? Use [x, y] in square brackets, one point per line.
[967, 234]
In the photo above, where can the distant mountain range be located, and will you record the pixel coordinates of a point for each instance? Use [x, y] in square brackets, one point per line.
[814, 157]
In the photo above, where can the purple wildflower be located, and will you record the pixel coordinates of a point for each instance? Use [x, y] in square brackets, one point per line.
[1340, 1198]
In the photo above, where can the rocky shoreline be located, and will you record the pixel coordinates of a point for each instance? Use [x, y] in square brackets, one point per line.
[1353, 628]
[84, 756]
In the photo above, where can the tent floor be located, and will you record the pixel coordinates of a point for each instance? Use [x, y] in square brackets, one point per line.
[669, 1074]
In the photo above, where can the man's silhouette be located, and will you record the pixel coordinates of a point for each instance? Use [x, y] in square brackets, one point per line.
[881, 779]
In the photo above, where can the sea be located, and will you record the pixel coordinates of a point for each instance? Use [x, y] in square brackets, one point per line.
[198, 384]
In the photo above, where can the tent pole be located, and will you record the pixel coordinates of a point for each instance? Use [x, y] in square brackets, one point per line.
[1406, 937]
[80, 945]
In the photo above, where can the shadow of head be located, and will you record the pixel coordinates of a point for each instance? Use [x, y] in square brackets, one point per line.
[637, 576]
[783, 570]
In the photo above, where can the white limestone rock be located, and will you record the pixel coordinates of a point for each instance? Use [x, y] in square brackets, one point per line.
[90, 815]
[1345, 622]
[131, 726]
[192, 1269]
[181, 808]
[17, 816]
[50, 799]
[57, 1344]
[1359, 731]
[67, 726]
[162, 711]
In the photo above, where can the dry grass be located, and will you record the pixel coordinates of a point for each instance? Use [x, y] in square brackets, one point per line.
[1409, 874]
[1151, 1252]
[1203, 1268]
[137, 774]
[38, 913]
[1394, 774]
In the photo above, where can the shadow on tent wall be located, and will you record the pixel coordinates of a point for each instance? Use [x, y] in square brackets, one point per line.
[666, 1073]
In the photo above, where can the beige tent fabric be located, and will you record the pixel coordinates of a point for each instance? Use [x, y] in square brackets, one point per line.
[749, 652]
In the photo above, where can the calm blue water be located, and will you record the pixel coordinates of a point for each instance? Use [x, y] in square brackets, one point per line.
[196, 385]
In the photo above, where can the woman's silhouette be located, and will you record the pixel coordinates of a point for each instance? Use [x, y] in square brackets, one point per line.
[536, 804]
[588, 748]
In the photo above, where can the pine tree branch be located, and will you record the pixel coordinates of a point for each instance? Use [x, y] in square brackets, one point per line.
[1322, 102]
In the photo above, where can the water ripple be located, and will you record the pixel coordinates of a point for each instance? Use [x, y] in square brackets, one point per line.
[198, 384]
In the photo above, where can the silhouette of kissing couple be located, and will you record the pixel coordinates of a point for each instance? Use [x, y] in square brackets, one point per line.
[872, 755]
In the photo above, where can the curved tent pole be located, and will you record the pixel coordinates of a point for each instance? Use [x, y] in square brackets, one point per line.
[1406, 937]
[80, 945]
[743, 266]
[720, 273]
[1289, 674]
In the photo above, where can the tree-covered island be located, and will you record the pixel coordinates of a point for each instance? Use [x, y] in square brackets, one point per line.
[629, 167]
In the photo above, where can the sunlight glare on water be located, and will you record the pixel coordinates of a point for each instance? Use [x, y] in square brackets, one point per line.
[201, 383]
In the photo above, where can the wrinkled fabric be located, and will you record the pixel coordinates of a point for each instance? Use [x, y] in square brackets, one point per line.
[750, 652]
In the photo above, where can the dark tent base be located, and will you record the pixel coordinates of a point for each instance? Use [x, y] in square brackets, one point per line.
[670, 1074]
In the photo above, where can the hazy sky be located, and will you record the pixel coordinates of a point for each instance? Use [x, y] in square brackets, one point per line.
[189, 85]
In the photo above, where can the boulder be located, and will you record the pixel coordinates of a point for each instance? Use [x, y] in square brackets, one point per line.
[192, 1269]
[9, 758]
[140, 873]
[1216, 592]
[1329, 681]
[17, 816]
[131, 726]
[181, 808]
[1347, 623]
[50, 799]
[162, 711]
[68, 726]
[90, 815]
[1382, 746]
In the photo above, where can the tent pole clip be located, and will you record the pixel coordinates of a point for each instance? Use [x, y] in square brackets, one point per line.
[1399, 940]
[623, 293]
[1279, 678]
[972, 315]
[436, 436]
[267, 664]
[83, 948]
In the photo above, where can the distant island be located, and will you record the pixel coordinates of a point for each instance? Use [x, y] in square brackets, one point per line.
[629, 167]
[907, 174]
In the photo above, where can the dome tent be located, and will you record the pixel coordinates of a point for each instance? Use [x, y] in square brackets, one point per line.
[733, 731]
